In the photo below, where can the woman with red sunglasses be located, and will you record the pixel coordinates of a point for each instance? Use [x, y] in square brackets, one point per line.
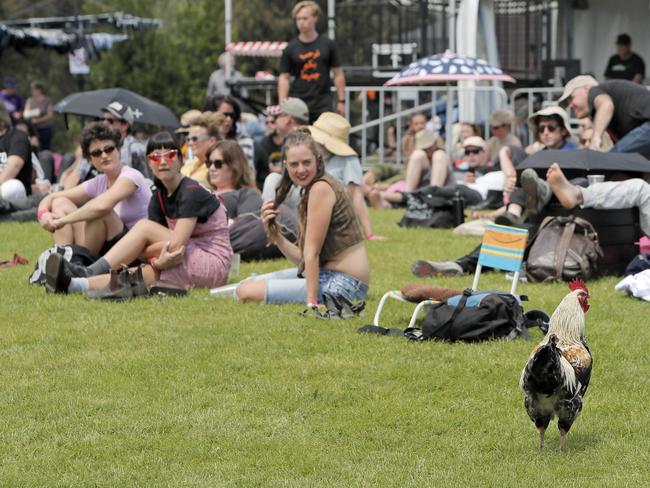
[185, 240]
[98, 212]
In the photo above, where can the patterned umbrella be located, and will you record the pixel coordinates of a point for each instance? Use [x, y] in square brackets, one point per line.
[447, 67]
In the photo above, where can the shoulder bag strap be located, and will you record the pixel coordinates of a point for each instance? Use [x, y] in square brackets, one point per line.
[545, 223]
[563, 247]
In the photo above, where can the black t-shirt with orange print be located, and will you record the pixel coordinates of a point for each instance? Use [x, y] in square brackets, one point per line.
[309, 64]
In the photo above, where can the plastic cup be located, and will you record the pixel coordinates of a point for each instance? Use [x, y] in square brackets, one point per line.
[595, 179]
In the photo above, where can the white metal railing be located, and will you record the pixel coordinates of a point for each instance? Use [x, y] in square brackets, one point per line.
[486, 99]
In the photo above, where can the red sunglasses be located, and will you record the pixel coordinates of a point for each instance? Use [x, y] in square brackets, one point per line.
[168, 156]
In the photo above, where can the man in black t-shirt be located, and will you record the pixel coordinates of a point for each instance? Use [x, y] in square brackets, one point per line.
[308, 59]
[625, 65]
[15, 161]
[619, 106]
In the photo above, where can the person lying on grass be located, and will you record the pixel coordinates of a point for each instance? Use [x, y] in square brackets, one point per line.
[331, 254]
[185, 239]
[99, 212]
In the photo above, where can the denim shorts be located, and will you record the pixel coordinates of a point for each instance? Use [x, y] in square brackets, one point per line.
[286, 287]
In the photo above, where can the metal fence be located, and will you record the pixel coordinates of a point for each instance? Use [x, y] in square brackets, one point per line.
[381, 107]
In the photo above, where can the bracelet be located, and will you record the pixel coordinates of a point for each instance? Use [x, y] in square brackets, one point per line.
[312, 304]
[341, 101]
[40, 214]
[370, 236]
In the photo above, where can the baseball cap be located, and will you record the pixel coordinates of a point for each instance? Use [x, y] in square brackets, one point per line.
[474, 141]
[574, 83]
[9, 83]
[424, 139]
[624, 39]
[120, 111]
[296, 108]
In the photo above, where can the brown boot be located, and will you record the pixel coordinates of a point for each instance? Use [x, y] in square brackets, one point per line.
[119, 279]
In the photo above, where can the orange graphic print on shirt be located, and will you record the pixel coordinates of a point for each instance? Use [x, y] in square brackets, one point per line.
[309, 70]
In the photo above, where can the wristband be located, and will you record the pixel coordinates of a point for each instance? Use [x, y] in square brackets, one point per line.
[40, 214]
[370, 236]
[312, 304]
[341, 101]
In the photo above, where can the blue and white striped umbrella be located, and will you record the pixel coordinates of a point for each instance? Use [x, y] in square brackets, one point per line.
[446, 67]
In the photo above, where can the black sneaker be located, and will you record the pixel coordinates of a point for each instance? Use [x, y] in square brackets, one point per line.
[509, 219]
[57, 274]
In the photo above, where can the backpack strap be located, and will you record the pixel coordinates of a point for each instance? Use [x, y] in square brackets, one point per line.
[563, 248]
[467, 292]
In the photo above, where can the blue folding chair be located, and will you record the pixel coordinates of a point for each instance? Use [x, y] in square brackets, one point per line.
[502, 248]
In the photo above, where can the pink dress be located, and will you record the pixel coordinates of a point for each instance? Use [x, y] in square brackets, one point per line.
[207, 257]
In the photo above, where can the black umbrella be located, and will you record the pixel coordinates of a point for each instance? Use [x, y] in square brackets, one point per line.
[587, 160]
[90, 104]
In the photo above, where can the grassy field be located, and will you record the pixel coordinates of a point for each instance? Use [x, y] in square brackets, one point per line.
[206, 392]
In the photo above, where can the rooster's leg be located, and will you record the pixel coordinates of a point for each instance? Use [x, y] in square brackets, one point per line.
[541, 436]
[563, 434]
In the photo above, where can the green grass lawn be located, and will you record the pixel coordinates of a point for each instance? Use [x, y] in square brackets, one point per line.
[206, 392]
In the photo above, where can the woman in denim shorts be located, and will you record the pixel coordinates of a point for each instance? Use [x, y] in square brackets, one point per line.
[330, 253]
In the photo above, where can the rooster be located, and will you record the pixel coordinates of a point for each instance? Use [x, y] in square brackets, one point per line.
[557, 373]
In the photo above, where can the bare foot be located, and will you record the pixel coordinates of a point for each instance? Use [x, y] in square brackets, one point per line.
[569, 195]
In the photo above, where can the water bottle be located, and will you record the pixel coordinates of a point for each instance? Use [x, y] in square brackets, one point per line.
[458, 205]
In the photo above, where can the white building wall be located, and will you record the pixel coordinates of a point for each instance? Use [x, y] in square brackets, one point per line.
[597, 27]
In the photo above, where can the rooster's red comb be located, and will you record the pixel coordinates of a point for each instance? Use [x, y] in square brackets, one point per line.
[578, 284]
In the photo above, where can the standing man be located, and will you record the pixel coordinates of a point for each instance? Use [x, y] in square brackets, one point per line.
[217, 84]
[625, 65]
[620, 107]
[308, 59]
[13, 102]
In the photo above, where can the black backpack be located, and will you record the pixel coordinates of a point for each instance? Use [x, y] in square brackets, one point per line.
[470, 317]
[432, 206]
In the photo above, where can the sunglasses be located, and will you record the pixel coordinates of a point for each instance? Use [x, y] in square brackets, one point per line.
[229, 114]
[168, 156]
[495, 127]
[112, 121]
[550, 127]
[104, 150]
[191, 139]
[472, 151]
[217, 163]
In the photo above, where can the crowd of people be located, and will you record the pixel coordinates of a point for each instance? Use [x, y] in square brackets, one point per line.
[176, 206]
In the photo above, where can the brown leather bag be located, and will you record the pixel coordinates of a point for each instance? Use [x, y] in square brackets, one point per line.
[562, 249]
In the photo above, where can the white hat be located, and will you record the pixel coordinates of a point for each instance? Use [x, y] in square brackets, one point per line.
[474, 141]
[533, 120]
[577, 82]
[424, 139]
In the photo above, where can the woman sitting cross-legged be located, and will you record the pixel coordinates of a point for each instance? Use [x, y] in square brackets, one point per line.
[98, 212]
[185, 239]
[331, 254]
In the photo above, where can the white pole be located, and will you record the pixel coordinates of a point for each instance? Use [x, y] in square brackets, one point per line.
[331, 22]
[452, 26]
[228, 19]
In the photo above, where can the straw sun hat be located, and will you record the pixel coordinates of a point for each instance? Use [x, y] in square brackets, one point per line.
[332, 131]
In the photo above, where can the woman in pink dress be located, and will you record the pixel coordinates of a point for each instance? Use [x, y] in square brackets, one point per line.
[185, 240]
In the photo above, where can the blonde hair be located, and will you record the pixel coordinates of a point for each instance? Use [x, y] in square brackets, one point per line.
[212, 122]
[315, 8]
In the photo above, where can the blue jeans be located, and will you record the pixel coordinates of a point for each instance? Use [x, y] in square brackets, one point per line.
[285, 287]
[637, 140]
